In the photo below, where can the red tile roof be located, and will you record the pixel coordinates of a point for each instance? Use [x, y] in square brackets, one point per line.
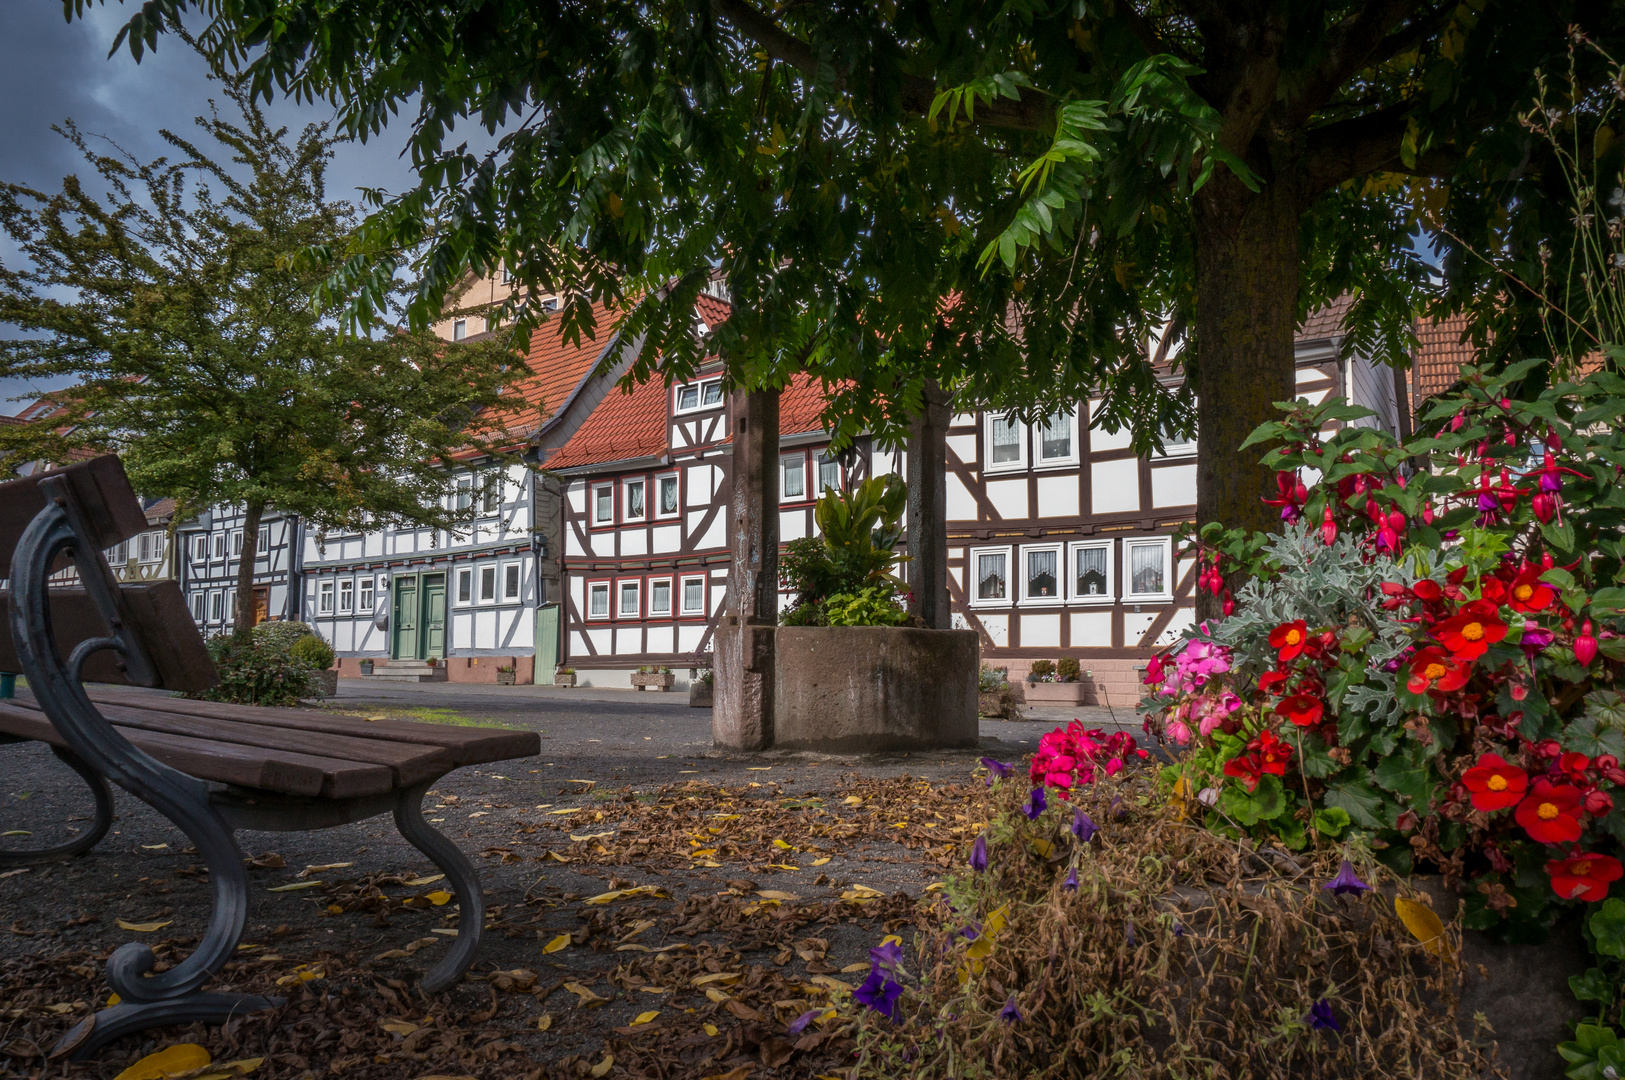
[1325, 321]
[624, 425]
[557, 367]
[1440, 352]
[800, 405]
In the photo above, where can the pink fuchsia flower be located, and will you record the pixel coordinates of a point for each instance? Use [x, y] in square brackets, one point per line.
[1585, 646]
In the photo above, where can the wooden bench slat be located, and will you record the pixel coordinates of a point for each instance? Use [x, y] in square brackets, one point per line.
[158, 613]
[409, 763]
[468, 746]
[104, 494]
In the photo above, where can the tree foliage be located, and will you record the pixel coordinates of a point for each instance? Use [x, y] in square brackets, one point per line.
[173, 297]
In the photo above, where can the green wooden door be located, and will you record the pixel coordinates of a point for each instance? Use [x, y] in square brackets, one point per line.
[547, 643]
[404, 639]
[434, 616]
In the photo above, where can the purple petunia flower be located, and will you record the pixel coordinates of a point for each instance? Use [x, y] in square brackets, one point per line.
[1035, 804]
[887, 957]
[799, 1024]
[1345, 883]
[996, 770]
[1010, 1014]
[978, 854]
[1321, 1017]
[1117, 806]
[1179, 930]
[1083, 826]
[880, 992]
[1130, 934]
[971, 932]
[1071, 882]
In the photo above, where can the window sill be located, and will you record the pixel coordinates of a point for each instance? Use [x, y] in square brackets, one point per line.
[1159, 598]
[1094, 601]
[1008, 466]
[1050, 466]
[1042, 601]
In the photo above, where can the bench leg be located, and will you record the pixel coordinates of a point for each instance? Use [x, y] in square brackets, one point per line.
[464, 882]
[91, 836]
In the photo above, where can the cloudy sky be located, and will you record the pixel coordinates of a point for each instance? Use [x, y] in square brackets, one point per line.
[52, 70]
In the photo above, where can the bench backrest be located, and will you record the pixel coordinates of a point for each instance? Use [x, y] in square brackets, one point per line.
[154, 613]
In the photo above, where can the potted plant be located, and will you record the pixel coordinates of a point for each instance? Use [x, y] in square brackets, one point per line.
[700, 690]
[506, 674]
[564, 676]
[366, 666]
[646, 677]
[1055, 682]
[995, 697]
[433, 661]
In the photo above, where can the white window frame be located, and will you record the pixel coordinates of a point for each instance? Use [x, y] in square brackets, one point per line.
[988, 464]
[216, 608]
[487, 573]
[117, 555]
[598, 489]
[1172, 449]
[231, 606]
[366, 596]
[143, 545]
[346, 596]
[491, 498]
[462, 496]
[200, 550]
[236, 543]
[820, 459]
[1059, 551]
[219, 545]
[626, 498]
[517, 571]
[1166, 543]
[1110, 548]
[973, 575]
[636, 585]
[677, 480]
[263, 550]
[597, 586]
[682, 599]
[670, 599]
[459, 329]
[1042, 462]
[799, 456]
[700, 387]
[199, 605]
[464, 595]
[324, 597]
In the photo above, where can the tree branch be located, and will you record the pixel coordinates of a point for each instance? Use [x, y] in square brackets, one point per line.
[1030, 113]
[1366, 37]
[1367, 144]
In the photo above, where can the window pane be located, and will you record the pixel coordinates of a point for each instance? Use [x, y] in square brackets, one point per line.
[1092, 571]
[668, 494]
[493, 495]
[793, 486]
[488, 582]
[1006, 439]
[629, 598]
[1056, 437]
[599, 604]
[510, 582]
[465, 585]
[465, 492]
[1041, 573]
[634, 500]
[346, 596]
[829, 474]
[366, 595]
[990, 577]
[604, 502]
[694, 594]
[660, 598]
[1146, 569]
[713, 392]
[688, 397]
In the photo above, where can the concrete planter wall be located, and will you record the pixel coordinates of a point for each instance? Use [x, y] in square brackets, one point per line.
[699, 694]
[660, 680]
[859, 689]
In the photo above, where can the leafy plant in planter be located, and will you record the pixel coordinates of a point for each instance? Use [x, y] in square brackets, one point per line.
[314, 652]
[855, 552]
[254, 673]
[1067, 669]
[991, 679]
[1041, 671]
[875, 605]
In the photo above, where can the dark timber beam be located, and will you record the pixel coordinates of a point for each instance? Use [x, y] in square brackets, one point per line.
[742, 718]
[928, 510]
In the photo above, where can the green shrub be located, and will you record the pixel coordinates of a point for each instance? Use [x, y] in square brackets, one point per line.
[1066, 669]
[1041, 671]
[253, 674]
[875, 605]
[992, 679]
[282, 634]
[855, 549]
[313, 652]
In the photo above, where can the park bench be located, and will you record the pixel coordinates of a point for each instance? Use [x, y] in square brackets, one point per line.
[209, 768]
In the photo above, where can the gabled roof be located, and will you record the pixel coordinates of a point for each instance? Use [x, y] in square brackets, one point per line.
[623, 426]
[1440, 352]
[800, 404]
[1325, 321]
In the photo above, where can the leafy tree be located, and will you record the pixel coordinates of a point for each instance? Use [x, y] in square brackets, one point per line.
[173, 300]
[1011, 199]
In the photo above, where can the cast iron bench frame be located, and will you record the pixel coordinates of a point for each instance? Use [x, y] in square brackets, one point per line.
[153, 642]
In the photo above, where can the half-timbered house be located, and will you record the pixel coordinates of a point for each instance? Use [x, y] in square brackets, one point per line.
[209, 550]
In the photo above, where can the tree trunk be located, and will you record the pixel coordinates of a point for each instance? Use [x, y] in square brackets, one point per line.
[1247, 275]
[244, 615]
[927, 511]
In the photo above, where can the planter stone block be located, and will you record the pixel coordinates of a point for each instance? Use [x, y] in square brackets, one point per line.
[860, 689]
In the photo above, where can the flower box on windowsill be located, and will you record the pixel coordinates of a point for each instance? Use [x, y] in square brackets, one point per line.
[662, 680]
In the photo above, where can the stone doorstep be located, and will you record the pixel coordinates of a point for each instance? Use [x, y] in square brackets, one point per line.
[415, 671]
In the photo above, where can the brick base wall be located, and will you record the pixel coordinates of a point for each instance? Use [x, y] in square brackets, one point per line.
[1114, 681]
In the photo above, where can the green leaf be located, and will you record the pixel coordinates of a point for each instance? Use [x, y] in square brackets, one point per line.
[1592, 986]
[1559, 534]
[1359, 800]
[1313, 759]
[1607, 925]
[1408, 773]
[1592, 735]
[1267, 801]
[1331, 821]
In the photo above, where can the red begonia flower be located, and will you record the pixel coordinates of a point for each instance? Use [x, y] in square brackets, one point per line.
[1434, 667]
[1247, 768]
[1288, 639]
[1495, 784]
[1584, 877]
[1551, 813]
[1427, 590]
[1272, 753]
[1301, 709]
[1493, 590]
[1528, 593]
[1470, 632]
[1268, 681]
[1575, 764]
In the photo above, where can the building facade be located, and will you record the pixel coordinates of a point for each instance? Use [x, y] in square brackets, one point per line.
[208, 553]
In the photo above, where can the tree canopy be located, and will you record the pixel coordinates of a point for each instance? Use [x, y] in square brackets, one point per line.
[173, 297]
[1012, 199]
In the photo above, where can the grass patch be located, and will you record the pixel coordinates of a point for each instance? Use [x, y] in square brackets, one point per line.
[448, 717]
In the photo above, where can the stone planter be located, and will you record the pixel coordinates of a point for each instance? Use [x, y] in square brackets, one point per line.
[366, 667]
[660, 680]
[506, 678]
[325, 684]
[699, 694]
[564, 678]
[1057, 693]
[859, 689]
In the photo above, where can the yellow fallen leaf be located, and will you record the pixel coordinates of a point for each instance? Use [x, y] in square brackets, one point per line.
[782, 866]
[334, 909]
[294, 887]
[724, 817]
[430, 880]
[783, 845]
[644, 1018]
[758, 768]
[18, 832]
[775, 894]
[711, 1030]
[853, 800]
[587, 996]
[445, 931]
[654, 989]
[230, 1070]
[544, 1021]
[891, 939]
[153, 847]
[438, 898]
[566, 810]
[821, 862]
[726, 978]
[307, 871]
[592, 835]
[830, 984]
[146, 928]
[1423, 924]
[850, 968]
[995, 922]
[1042, 848]
[602, 1068]
[182, 1057]
[397, 1027]
[555, 856]
[716, 995]
[622, 894]
[113, 999]
[300, 975]
[560, 942]
[707, 862]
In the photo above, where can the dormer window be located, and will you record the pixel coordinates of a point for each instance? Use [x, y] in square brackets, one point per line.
[705, 394]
